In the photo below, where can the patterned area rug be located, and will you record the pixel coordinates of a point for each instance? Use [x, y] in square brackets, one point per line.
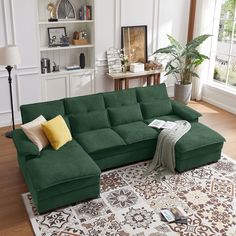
[130, 204]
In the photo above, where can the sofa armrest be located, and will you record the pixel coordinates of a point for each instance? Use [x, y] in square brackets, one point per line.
[185, 112]
[23, 145]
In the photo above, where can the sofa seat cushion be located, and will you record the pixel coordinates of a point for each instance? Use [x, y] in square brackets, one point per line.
[61, 171]
[199, 136]
[165, 118]
[100, 139]
[135, 132]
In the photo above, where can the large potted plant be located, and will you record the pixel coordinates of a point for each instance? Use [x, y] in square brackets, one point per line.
[182, 63]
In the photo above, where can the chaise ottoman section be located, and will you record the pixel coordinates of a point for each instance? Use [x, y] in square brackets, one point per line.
[200, 146]
[61, 177]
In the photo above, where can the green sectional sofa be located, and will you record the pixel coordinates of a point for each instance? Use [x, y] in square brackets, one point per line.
[109, 130]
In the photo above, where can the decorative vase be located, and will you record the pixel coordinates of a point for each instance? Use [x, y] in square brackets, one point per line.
[124, 68]
[82, 60]
[183, 93]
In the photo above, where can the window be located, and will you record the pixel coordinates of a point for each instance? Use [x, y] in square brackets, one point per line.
[223, 52]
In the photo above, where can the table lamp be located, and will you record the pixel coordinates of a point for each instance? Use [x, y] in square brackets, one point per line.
[9, 57]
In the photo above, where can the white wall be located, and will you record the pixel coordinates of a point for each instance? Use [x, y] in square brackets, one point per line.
[161, 16]
[19, 25]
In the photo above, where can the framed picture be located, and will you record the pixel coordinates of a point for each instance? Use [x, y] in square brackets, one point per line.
[57, 37]
[134, 42]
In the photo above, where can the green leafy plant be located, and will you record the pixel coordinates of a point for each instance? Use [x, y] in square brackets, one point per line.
[183, 59]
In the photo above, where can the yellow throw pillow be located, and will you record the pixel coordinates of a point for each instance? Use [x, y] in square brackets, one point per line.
[57, 132]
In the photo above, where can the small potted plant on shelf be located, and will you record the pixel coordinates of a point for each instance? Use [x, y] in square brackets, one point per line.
[182, 63]
[124, 60]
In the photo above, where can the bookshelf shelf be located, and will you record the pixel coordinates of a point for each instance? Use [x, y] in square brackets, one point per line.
[46, 48]
[65, 22]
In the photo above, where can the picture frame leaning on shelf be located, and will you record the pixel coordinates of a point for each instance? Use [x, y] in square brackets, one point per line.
[57, 37]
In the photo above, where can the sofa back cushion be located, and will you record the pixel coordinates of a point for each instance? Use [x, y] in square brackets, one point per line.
[157, 108]
[125, 114]
[122, 107]
[83, 122]
[48, 109]
[152, 93]
[86, 113]
[84, 104]
[154, 101]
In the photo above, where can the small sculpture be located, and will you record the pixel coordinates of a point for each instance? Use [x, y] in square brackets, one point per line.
[52, 12]
[83, 34]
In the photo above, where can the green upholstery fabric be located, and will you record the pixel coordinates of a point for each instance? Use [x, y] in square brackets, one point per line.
[135, 132]
[185, 112]
[48, 109]
[23, 145]
[120, 98]
[84, 104]
[89, 121]
[128, 154]
[122, 107]
[125, 114]
[154, 101]
[61, 171]
[152, 93]
[82, 193]
[199, 136]
[200, 146]
[96, 140]
[197, 157]
[158, 108]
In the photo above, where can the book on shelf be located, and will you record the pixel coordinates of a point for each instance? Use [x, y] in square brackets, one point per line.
[85, 12]
[161, 124]
[174, 215]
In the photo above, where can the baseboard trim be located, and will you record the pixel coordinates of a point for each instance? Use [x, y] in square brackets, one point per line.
[7, 123]
[219, 104]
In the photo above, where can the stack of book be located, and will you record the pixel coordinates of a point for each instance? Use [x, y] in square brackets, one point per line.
[85, 12]
[174, 215]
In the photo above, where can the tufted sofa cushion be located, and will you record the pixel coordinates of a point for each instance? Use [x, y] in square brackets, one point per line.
[86, 113]
[122, 107]
[154, 101]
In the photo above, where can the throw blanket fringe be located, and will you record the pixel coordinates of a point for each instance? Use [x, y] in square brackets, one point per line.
[164, 157]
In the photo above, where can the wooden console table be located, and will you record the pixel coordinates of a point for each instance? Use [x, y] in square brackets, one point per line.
[152, 77]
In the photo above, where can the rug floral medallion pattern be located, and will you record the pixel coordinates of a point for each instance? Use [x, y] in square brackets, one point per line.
[130, 203]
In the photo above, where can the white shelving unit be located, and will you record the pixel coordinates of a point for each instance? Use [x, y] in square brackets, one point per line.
[60, 84]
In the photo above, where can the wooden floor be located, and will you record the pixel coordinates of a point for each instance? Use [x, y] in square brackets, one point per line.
[13, 217]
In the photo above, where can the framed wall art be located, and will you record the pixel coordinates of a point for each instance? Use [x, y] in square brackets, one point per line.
[57, 37]
[134, 42]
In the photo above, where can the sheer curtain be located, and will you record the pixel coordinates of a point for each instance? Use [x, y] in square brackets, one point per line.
[204, 20]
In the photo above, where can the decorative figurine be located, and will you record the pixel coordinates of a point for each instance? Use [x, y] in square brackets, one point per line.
[55, 67]
[52, 12]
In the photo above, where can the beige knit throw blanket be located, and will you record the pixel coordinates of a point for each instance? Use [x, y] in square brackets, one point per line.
[164, 157]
